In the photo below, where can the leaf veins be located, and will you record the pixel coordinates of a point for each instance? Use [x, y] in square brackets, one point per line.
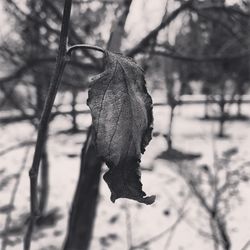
[121, 110]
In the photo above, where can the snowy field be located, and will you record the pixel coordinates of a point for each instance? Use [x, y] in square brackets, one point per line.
[176, 218]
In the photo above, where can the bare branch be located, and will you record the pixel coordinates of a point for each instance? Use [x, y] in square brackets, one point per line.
[204, 58]
[43, 126]
[154, 33]
[13, 198]
[225, 9]
[246, 246]
[15, 147]
[77, 38]
[22, 70]
[170, 229]
[225, 25]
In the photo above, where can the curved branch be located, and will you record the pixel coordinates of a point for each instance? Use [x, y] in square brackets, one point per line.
[151, 35]
[83, 46]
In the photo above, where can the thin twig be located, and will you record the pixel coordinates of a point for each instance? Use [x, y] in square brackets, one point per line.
[13, 197]
[43, 126]
[168, 230]
[17, 146]
[173, 229]
[214, 234]
[171, 235]
[205, 58]
[128, 227]
[246, 246]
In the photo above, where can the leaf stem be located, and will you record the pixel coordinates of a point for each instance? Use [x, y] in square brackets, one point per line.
[84, 46]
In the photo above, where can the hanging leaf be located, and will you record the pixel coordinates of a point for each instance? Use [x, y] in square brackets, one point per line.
[122, 117]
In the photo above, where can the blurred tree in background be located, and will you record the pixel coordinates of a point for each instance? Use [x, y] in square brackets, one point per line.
[212, 48]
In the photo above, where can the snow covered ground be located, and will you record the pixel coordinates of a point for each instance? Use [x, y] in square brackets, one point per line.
[127, 222]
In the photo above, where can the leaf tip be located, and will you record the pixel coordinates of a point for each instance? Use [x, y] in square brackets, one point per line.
[148, 200]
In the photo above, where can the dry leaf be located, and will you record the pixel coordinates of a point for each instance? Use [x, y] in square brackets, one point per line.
[122, 117]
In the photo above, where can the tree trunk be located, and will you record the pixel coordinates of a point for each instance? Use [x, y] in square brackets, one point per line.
[84, 205]
[73, 112]
[222, 117]
[169, 135]
[206, 115]
[117, 31]
[239, 102]
[86, 198]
